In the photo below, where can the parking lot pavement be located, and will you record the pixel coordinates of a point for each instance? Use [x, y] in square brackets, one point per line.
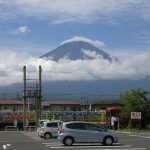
[33, 135]
[17, 140]
[53, 144]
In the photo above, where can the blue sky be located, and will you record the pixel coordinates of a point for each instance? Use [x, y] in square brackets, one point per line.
[30, 28]
[119, 24]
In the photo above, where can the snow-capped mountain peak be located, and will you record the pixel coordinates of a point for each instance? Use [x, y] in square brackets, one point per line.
[78, 48]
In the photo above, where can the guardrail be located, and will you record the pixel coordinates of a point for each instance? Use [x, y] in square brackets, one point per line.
[11, 128]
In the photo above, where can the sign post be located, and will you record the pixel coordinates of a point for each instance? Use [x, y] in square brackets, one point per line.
[135, 116]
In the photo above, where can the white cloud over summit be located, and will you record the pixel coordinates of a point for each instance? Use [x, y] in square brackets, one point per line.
[132, 67]
[96, 43]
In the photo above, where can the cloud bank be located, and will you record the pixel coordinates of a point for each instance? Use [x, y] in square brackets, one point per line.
[85, 11]
[131, 67]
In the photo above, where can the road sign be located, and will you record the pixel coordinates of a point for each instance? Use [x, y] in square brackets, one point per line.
[135, 115]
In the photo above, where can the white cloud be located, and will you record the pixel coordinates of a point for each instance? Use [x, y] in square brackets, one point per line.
[24, 29]
[132, 67]
[21, 30]
[96, 43]
[60, 11]
[89, 54]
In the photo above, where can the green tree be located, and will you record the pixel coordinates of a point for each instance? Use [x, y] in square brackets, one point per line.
[136, 101]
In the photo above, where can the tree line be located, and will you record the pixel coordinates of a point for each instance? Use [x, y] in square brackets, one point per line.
[136, 101]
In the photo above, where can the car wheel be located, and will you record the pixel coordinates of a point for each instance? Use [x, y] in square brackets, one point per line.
[47, 135]
[68, 141]
[108, 141]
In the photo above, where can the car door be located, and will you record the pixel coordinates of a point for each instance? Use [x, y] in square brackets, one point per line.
[93, 133]
[78, 132]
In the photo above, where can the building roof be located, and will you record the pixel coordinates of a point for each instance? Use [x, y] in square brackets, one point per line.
[61, 102]
[115, 101]
[11, 102]
[58, 102]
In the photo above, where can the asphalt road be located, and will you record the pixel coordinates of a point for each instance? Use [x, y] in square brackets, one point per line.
[19, 140]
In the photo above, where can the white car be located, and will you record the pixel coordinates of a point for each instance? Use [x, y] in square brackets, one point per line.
[49, 129]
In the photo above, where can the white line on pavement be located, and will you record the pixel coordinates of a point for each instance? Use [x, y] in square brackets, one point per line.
[51, 143]
[109, 149]
[4, 147]
[141, 136]
[72, 147]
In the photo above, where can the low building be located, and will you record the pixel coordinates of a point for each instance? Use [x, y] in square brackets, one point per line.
[55, 105]
[61, 106]
[11, 106]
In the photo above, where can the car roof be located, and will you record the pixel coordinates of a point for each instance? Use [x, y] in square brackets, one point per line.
[78, 122]
[43, 120]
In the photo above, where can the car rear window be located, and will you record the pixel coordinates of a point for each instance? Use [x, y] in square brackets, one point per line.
[52, 124]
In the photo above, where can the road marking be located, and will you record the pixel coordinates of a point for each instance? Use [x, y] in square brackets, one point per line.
[79, 144]
[107, 149]
[72, 147]
[52, 143]
[146, 137]
[123, 149]
[5, 146]
[141, 136]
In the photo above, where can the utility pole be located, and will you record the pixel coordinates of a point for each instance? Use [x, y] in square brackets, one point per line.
[40, 90]
[32, 92]
[24, 97]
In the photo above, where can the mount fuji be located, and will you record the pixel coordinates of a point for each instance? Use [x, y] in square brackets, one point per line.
[74, 50]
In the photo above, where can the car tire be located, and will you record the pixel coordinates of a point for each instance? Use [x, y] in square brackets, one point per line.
[47, 135]
[108, 141]
[68, 141]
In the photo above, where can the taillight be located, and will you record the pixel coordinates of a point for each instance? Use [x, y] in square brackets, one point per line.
[61, 130]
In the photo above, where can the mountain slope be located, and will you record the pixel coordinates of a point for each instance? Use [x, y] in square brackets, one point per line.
[76, 50]
[99, 89]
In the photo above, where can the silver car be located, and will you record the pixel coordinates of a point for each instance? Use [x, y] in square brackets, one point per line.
[84, 132]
